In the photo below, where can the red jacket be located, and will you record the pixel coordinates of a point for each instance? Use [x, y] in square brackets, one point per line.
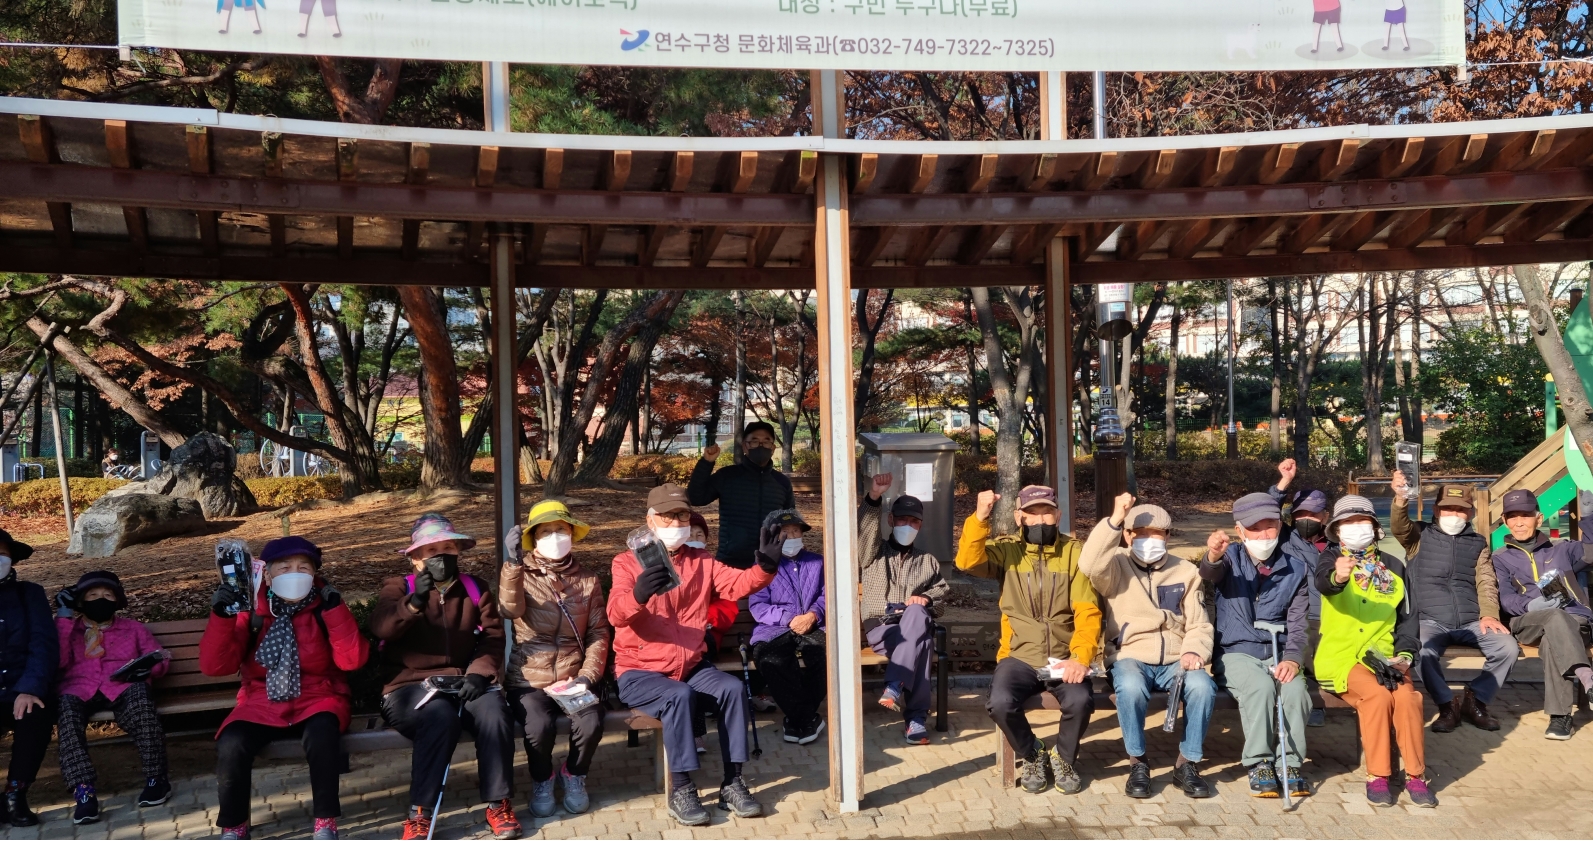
[324, 661]
[722, 614]
[666, 634]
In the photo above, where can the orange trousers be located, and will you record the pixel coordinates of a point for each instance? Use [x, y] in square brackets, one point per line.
[1380, 710]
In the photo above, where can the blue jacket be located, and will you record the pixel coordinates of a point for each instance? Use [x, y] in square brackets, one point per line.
[29, 646]
[1243, 595]
[1305, 552]
[1518, 568]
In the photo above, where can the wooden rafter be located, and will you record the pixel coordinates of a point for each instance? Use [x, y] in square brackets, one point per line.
[119, 147]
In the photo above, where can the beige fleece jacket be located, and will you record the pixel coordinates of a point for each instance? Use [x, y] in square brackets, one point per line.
[1153, 614]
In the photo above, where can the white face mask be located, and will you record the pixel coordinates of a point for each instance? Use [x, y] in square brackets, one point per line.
[5, 565]
[1148, 550]
[904, 535]
[554, 545]
[792, 547]
[292, 585]
[696, 544]
[674, 537]
[1260, 550]
[1357, 536]
[1452, 524]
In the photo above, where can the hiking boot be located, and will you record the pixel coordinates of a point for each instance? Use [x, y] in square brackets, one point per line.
[1448, 717]
[576, 800]
[241, 833]
[1378, 793]
[1298, 786]
[891, 698]
[417, 826]
[1475, 712]
[87, 809]
[1139, 780]
[738, 801]
[1560, 729]
[1187, 777]
[1035, 766]
[324, 829]
[1263, 780]
[1065, 778]
[501, 820]
[17, 804]
[156, 792]
[1317, 718]
[686, 808]
[542, 802]
[1420, 794]
[810, 734]
[917, 733]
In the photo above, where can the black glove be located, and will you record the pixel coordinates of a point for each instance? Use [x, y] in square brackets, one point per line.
[586, 682]
[650, 582]
[226, 602]
[514, 553]
[423, 587]
[769, 547]
[330, 597]
[66, 603]
[474, 687]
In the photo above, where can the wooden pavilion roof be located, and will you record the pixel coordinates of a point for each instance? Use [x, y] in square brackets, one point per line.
[102, 189]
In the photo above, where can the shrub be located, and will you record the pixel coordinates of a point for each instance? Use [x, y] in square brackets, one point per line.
[277, 492]
[673, 468]
[808, 462]
[43, 496]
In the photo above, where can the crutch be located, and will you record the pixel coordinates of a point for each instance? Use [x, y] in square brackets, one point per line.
[752, 711]
[1273, 629]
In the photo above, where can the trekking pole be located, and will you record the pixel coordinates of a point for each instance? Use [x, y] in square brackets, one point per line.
[436, 810]
[752, 711]
[1273, 629]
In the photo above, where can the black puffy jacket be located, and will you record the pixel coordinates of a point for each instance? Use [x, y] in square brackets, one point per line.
[746, 495]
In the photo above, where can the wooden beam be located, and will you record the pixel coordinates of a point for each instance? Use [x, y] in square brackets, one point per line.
[1466, 154]
[1476, 225]
[763, 245]
[199, 163]
[1135, 239]
[616, 170]
[863, 170]
[37, 139]
[806, 170]
[925, 243]
[1304, 235]
[592, 244]
[1216, 166]
[745, 170]
[678, 178]
[119, 146]
[533, 246]
[419, 171]
[869, 243]
[348, 152]
[1096, 171]
[1156, 170]
[1337, 159]
[279, 234]
[1576, 153]
[707, 245]
[979, 172]
[1276, 163]
[487, 166]
[1400, 157]
[1363, 229]
[345, 237]
[1092, 237]
[977, 242]
[552, 166]
[1033, 243]
[1419, 227]
[1194, 238]
[921, 172]
[271, 152]
[1039, 175]
[1544, 219]
[1251, 234]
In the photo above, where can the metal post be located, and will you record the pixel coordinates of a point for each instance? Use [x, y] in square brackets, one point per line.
[60, 449]
[505, 420]
[1100, 105]
[1053, 105]
[495, 92]
[832, 251]
[1233, 432]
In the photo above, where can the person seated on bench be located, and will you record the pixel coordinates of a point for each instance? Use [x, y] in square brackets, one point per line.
[1253, 582]
[437, 621]
[900, 586]
[747, 491]
[1304, 539]
[29, 654]
[1157, 620]
[1364, 610]
[95, 643]
[659, 646]
[1049, 612]
[788, 643]
[1456, 600]
[293, 653]
[561, 634]
[1559, 630]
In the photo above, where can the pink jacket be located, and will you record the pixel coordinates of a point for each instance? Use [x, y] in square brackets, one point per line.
[83, 676]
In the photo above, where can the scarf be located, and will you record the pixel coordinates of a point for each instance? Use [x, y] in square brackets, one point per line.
[279, 650]
[94, 639]
[546, 567]
[1369, 572]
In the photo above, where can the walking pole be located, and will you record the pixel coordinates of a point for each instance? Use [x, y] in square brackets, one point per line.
[752, 711]
[1273, 629]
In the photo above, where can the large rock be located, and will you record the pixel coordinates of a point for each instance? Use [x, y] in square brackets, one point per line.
[202, 470]
[115, 522]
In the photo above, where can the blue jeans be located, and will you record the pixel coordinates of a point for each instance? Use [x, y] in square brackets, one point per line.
[1135, 680]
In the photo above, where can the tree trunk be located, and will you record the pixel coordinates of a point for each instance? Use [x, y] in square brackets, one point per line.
[1418, 425]
[863, 391]
[1551, 345]
[1277, 368]
[361, 470]
[1170, 409]
[446, 464]
[603, 451]
[973, 380]
[740, 411]
[1011, 392]
[117, 394]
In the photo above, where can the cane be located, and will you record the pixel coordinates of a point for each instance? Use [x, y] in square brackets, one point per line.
[1273, 629]
[752, 711]
[1175, 696]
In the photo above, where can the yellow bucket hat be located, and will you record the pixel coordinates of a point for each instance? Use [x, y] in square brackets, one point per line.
[548, 511]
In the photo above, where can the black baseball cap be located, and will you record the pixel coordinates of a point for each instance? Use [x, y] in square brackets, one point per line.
[1519, 501]
[907, 506]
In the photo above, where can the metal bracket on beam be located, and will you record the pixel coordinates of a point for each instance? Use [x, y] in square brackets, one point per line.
[229, 193]
[1369, 194]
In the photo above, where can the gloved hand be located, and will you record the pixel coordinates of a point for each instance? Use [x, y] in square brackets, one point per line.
[475, 687]
[226, 601]
[1544, 603]
[66, 603]
[423, 587]
[514, 554]
[650, 582]
[769, 547]
[331, 597]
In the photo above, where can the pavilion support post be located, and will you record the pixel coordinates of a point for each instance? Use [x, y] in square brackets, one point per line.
[505, 420]
[1059, 378]
[495, 94]
[831, 258]
[60, 443]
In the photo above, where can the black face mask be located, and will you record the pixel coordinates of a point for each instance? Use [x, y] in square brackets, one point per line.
[760, 456]
[443, 567]
[1308, 529]
[1039, 534]
[98, 610]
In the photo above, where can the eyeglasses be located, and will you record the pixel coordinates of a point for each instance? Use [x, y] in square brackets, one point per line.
[676, 516]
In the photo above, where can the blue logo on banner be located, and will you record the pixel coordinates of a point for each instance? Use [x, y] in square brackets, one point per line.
[635, 39]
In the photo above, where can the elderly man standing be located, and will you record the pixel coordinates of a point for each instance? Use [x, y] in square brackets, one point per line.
[747, 493]
[1257, 585]
[900, 586]
[1456, 598]
[659, 646]
[1155, 614]
[1050, 620]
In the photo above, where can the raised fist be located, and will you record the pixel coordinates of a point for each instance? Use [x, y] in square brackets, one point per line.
[882, 483]
[986, 505]
[1216, 545]
[1342, 568]
[1287, 470]
[1121, 507]
[710, 453]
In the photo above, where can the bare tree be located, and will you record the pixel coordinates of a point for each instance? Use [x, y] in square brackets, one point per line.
[1546, 334]
[1010, 382]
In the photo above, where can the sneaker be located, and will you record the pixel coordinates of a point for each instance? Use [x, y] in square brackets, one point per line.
[1378, 793]
[738, 801]
[576, 800]
[501, 820]
[891, 698]
[1419, 793]
[417, 826]
[241, 833]
[701, 746]
[324, 829]
[1035, 768]
[1263, 780]
[764, 704]
[1560, 728]
[1066, 779]
[1298, 786]
[793, 733]
[1139, 781]
[1187, 777]
[1317, 718]
[156, 792]
[542, 803]
[686, 808]
[812, 733]
[917, 733]
[87, 809]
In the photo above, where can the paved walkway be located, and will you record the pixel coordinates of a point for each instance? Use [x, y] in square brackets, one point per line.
[1506, 784]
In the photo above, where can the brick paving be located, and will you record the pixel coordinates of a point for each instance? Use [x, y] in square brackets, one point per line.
[1506, 785]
